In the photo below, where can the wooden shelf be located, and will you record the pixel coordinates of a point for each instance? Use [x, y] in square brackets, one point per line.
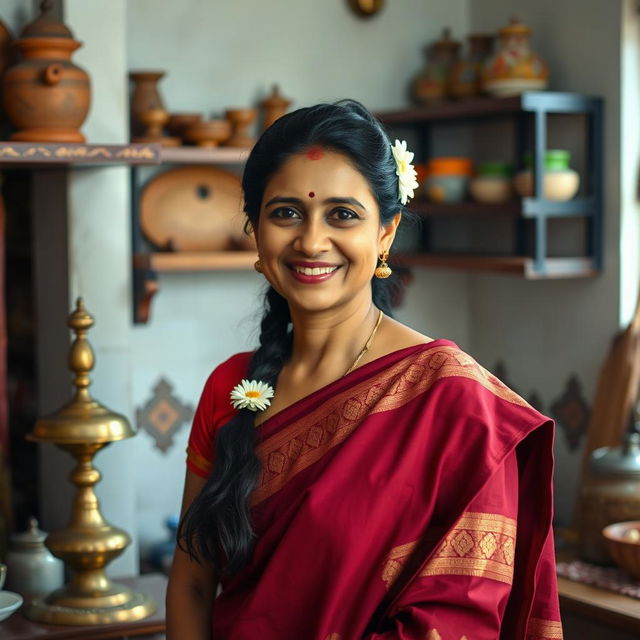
[485, 106]
[427, 209]
[196, 261]
[36, 154]
[203, 155]
[146, 267]
[526, 207]
[514, 265]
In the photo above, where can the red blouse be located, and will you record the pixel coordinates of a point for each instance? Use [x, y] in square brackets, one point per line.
[214, 409]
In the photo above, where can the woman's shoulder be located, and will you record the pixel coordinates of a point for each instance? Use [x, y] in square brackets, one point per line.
[442, 361]
[228, 373]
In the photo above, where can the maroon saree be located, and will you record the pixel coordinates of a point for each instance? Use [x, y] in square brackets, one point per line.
[410, 499]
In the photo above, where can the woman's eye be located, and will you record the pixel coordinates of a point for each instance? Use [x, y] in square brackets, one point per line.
[285, 213]
[344, 215]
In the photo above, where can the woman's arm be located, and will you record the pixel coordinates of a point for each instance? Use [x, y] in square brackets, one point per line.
[192, 586]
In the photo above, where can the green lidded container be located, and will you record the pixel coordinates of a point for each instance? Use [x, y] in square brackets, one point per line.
[554, 160]
[494, 170]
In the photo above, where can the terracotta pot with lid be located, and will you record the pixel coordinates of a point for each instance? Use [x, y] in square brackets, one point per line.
[610, 494]
[46, 96]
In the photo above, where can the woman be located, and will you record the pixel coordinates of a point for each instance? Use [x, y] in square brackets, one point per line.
[391, 487]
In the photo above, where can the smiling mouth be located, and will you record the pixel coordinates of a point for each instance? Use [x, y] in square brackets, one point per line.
[313, 271]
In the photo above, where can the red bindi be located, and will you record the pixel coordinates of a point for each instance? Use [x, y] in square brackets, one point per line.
[312, 194]
[314, 153]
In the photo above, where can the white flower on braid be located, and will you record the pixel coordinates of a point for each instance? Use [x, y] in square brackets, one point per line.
[404, 170]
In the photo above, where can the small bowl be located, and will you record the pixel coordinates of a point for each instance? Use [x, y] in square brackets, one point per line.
[208, 133]
[624, 550]
[9, 602]
[180, 122]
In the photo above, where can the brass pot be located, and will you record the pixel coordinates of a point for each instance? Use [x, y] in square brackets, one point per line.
[610, 494]
[46, 96]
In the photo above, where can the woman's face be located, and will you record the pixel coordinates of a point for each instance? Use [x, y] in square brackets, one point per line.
[319, 232]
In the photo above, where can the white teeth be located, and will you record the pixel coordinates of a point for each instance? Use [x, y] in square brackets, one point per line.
[314, 271]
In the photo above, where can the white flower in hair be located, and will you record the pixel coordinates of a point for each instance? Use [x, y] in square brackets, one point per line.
[252, 394]
[404, 170]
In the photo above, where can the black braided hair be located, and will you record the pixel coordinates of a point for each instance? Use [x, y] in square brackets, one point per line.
[217, 527]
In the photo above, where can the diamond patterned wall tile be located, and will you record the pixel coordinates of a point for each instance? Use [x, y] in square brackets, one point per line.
[571, 411]
[163, 415]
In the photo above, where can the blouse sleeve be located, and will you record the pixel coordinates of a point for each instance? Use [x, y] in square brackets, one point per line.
[213, 410]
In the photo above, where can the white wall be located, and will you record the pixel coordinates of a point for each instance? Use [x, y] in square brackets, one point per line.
[544, 330]
[236, 50]
[15, 14]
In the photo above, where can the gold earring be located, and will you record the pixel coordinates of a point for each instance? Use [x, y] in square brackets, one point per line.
[257, 265]
[383, 270]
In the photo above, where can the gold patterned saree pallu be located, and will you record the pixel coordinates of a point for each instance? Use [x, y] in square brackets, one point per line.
[392, 504]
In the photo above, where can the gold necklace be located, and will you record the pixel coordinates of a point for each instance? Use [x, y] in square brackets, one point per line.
[367, 345]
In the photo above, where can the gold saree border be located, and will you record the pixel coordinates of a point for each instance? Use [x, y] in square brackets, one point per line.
[306, 440]
[434, 634]
[198, 461]
[541, 629]
[479, 544]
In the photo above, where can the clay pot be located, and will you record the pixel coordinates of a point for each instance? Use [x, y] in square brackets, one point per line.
[514, 68]
[6, 54]
[155, 120]
[241, 120]
[46, 96]
[560, 182]
[274, 107]
[466, 75]
[145, 96]
[209, 133]
[180, 122]
[433, 82]
[610, 494]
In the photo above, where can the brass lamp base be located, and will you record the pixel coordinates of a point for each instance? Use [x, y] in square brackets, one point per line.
[62, 607]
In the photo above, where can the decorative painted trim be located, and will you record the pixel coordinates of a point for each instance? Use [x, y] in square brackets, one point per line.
[50, 153]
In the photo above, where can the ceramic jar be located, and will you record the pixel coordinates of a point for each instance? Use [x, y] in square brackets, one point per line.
[447, 179]
[145, 96]
[433, 82]
[514, 68]
[610, 494]
[46, 96]
[273, 107]
[31, 568]
[560, 181]
[466, 76]
[492, 184]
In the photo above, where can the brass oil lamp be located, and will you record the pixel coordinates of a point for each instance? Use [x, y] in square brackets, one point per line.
[88, 543]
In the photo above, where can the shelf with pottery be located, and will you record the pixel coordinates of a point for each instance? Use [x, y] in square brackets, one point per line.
[187, 218]
[511, 265]
[530, 110]
[526, 207]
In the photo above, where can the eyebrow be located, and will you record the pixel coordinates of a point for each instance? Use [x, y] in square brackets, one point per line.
[340, 200]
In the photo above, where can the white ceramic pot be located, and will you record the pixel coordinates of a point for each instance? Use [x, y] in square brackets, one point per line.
[491, 189]
[32, 569]
[559, 186]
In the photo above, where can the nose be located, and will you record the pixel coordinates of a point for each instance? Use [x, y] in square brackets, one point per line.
[313, 238]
